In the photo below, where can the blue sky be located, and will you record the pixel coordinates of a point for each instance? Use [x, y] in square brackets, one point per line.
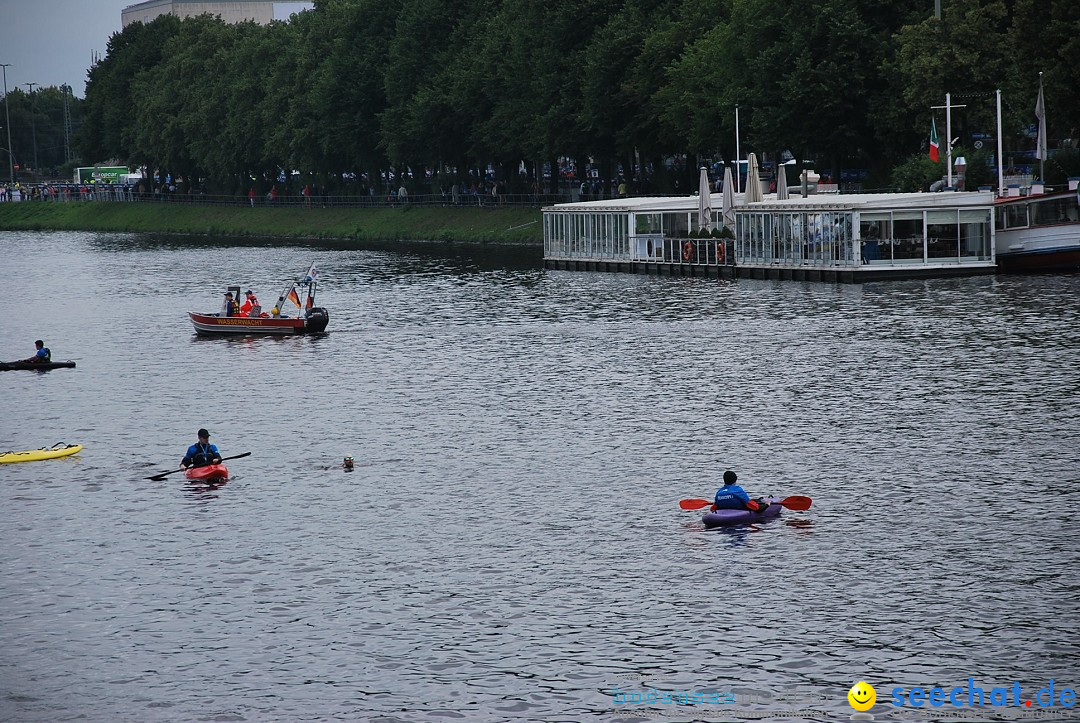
[50, 42]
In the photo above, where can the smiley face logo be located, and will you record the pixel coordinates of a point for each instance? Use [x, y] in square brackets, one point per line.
[862, 696]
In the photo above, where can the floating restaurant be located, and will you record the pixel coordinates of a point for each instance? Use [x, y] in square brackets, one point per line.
[823, 237]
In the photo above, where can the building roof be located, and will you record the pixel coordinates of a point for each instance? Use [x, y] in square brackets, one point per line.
[813, 202]
[643, 204]
[261, 11]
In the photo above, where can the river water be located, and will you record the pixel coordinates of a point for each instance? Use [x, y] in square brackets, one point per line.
[510, 545]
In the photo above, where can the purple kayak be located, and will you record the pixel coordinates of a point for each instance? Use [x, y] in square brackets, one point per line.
[741, 517]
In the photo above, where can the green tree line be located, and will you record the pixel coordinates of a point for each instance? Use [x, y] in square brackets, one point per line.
[37, 128]
[371, 86]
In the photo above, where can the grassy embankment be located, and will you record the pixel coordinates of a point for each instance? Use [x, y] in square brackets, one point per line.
[465, 225]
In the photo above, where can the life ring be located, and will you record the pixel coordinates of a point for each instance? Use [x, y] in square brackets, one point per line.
[687, 251]
[719, 252]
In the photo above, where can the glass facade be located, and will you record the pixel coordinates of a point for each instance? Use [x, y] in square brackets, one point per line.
[817, 238]
[590, 235]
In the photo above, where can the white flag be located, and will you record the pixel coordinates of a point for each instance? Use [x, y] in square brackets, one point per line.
[1040, 113]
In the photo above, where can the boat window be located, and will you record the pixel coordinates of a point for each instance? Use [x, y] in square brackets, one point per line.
[647, 223]
[875, 236]
[1016, 215]
[840, 236]
[828, 237]
[676, 225]
[1057, 210]
[942, 235]
[975, 234]
[742, 236]
[907, 240]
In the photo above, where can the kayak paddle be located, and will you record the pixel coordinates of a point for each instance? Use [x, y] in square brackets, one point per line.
[795, 502]
[163, 475]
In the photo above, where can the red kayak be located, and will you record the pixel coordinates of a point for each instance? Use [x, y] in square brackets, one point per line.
[209, 473]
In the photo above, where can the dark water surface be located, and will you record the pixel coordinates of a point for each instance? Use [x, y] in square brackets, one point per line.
[510, 545]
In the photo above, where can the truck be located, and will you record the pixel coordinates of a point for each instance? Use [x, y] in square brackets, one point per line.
[101, 174]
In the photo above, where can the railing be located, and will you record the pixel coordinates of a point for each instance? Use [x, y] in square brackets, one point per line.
[699, 251]
[124, 193]
[646, 248]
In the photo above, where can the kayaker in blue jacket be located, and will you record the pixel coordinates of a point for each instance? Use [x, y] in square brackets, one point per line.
[201, 453]
[42, 355]
[733, 497]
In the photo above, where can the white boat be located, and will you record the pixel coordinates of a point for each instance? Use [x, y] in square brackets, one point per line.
[1038, 232]
[847, 238]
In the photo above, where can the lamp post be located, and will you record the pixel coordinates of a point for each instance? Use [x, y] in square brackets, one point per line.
[11, 163]
[33, 124]
[11, 156]
[738, 161]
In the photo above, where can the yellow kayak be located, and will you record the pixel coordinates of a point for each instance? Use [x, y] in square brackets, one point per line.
[33, 455]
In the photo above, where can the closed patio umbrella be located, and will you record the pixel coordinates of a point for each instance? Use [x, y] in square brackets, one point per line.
[727, 201]
[704, 201]
[753, 180]
[781, 182]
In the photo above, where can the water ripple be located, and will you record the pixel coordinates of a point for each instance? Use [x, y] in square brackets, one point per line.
[509, 543]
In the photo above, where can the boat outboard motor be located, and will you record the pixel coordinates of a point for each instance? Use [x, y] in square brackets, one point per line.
[316, 319]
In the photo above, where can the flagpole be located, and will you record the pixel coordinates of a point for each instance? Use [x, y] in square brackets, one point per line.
[948, 140]
[738, 157]
[1000, 160]
[1040, 112]
[948, 135]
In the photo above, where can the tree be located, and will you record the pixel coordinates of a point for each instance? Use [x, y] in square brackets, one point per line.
[39, 115]
[966, 54]
[178, 126]
[111, 98]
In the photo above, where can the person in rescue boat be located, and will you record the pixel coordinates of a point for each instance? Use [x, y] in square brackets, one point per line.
[201, 453]
[230, 307]
[251, 305]
[733, 497]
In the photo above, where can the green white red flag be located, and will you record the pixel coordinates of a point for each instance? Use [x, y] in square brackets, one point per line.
[934, 148]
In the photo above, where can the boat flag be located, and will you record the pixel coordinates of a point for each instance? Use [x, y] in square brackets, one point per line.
[310, 279]
[1040, 113]
[295, 298]
[934, 156]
